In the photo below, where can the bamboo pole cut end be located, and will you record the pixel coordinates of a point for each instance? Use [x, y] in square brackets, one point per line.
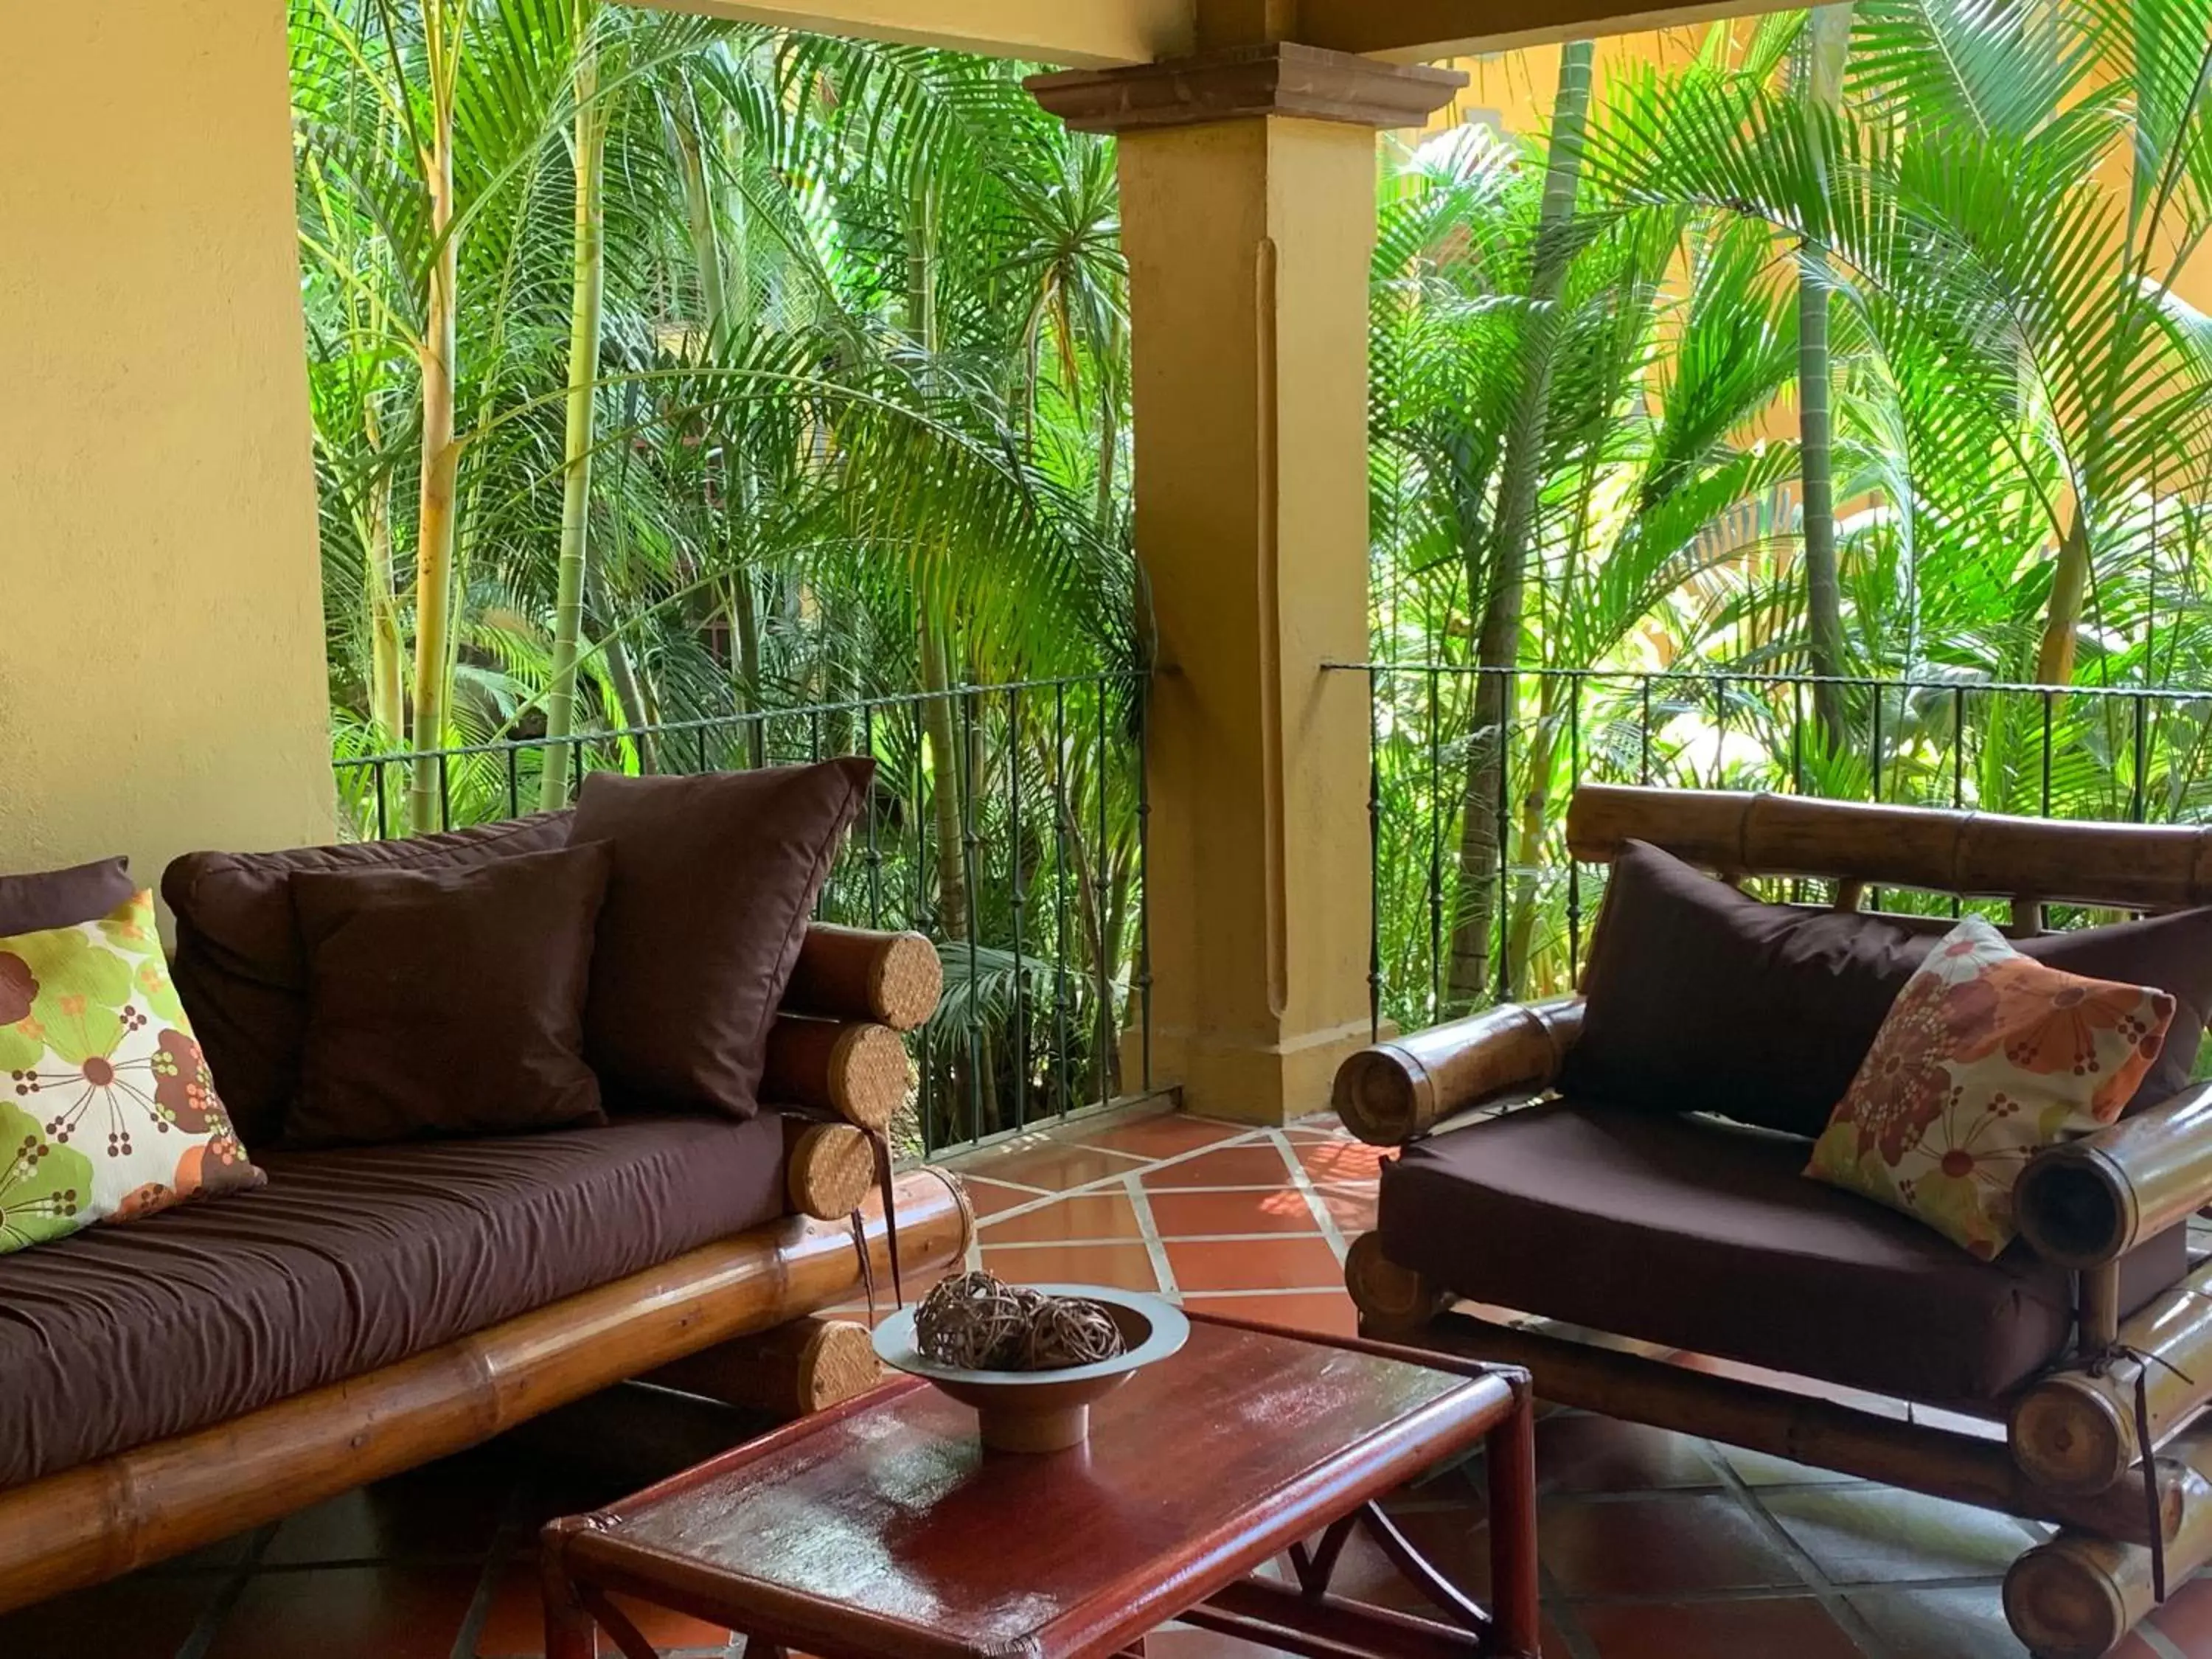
[854, 973]
[837, 1363]
[870, 1075]
[1390, 1297]
[829, 1168]
[2074, 1208]
[2069, 1436]
[1380, 1095]
[905, 981]
[2063, 1603]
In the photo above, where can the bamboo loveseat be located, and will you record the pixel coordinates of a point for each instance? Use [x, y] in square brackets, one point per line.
[1560, 1216]
[809, 1219]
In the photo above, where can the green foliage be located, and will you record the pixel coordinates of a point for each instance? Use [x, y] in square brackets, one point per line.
[2001, 201]
[862, 406]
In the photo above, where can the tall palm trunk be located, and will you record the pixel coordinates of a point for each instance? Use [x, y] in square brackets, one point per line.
[387, 695]
[589, 288]
[945, 764]
[1829, 41]
[622, 673]
[948, 771]
[719, 324]
[1497, 639]
[1535, 818]
[2069, 585]
[434, 520]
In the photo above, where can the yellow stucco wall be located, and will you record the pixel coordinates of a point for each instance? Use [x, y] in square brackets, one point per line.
[162, 681]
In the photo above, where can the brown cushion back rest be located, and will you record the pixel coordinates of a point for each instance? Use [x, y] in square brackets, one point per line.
[64, 898]
[238, 965]
[714, 876]
[1702, 997]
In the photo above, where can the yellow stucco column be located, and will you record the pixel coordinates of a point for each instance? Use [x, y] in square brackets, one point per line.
[1248, 214]
[162, 684]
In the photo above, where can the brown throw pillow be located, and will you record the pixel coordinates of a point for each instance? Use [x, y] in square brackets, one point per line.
[715, 877]
[1704, 998]
[64, 898]
[238, 965]
[447, 1002]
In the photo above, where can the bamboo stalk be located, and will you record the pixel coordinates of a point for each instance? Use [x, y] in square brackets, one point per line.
[2078, 1597]
[807, 1366]
[439, 353]
[1392, 1092]
[1390, 1297]
[2086, 1203]
[1803, 1427]
[585, 303]
[2074, 1429]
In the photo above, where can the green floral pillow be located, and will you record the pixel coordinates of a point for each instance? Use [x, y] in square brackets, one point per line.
[106, 1109]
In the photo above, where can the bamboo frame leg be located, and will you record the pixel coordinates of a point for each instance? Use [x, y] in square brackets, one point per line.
[569, 1632]
[1515, 1593]
[2078, 1596]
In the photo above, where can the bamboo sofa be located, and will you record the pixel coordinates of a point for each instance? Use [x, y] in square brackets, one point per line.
[795, 1210]
[1557, 1217]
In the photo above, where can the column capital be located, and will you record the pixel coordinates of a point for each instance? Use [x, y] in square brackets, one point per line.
[1279, 78]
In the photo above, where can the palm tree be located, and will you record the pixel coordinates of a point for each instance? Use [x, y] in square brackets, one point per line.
[1503, 576]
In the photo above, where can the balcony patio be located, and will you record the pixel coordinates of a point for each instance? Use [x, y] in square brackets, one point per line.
[1268, 769]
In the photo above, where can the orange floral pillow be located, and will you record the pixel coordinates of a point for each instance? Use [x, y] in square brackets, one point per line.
[1986, 1058]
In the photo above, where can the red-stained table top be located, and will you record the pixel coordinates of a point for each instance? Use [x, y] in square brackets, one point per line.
[884, 1527]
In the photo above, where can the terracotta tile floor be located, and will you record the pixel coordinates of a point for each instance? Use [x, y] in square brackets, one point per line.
[1654, 1546]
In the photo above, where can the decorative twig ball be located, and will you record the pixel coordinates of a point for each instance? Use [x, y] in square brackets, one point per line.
[978, 1322]
[1068, 1330]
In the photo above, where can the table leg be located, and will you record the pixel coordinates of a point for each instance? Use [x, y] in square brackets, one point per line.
[1514, 1595]
[569, 1632]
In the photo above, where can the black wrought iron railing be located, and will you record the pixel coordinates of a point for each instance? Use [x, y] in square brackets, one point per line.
[1475, 898]
[1008, 823]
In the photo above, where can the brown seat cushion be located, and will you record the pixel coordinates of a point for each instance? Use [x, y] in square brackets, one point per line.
[64, 898]
[1702, 1234]
[1701, 997]
[238, 965]
[715, 877]
[447, 1002]
[346, 1260]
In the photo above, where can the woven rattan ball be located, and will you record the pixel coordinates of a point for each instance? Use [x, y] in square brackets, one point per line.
[975, 1322]
[979, 1322]
[1070, 1330]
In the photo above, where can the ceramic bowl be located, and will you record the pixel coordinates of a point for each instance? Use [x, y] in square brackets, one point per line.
[1045, 1411]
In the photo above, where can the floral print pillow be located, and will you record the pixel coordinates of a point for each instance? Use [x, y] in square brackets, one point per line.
[1986, 1058]
[107, 1109]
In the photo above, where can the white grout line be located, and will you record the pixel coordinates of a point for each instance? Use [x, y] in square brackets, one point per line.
[1102, 1184]
[1144, 1215]
[1303, 1183]
[1115, 1180]
[1153, 1247]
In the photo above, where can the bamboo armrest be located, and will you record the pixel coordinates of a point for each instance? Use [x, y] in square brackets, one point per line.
[2087, 1202]
[1395, 1092]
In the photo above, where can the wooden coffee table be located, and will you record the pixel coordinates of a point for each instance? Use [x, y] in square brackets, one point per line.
[881, 1529]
